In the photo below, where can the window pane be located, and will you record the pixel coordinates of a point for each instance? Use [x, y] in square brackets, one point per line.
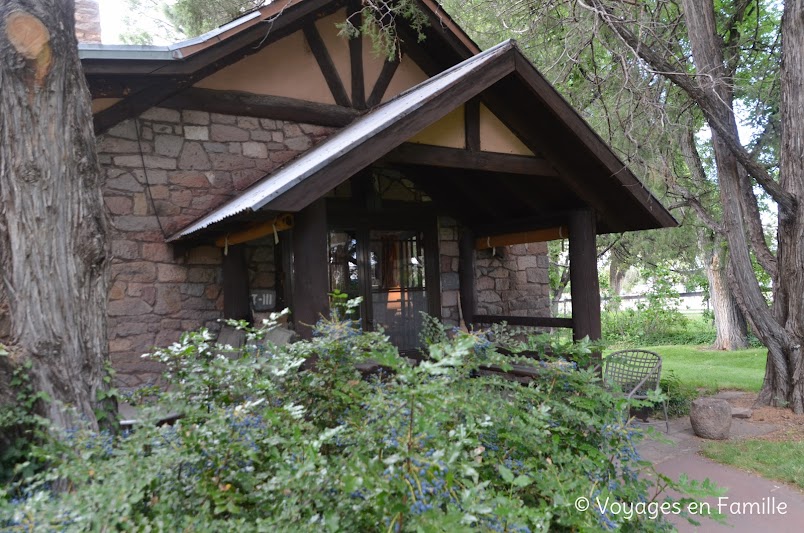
[343, 262]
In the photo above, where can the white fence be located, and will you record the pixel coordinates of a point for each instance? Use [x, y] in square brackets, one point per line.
[690, 303]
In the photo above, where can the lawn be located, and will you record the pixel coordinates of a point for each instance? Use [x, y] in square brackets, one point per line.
[714, 370]
[769, 459]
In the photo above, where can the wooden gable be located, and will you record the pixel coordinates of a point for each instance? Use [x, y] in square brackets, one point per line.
[273, 63]
[459, 127]
[307, 64]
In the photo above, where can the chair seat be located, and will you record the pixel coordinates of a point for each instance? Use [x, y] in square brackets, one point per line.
[636, 373]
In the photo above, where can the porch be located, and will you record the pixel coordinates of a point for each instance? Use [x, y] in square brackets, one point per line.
[488, 144]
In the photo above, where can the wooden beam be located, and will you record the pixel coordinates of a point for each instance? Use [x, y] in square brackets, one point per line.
[262, 106]
[236, 302]
[592, 142]
[356, 56]
[413, 120]
[551, 140]
[437, 156]
[515, 225]
[584, 284]
[326, 65]
[135, 104]
[472, 125]
[310, 260]
[256, 231]
[382, 83]
[529, 321]
[492, 209]
[466, 275]
[522, 237]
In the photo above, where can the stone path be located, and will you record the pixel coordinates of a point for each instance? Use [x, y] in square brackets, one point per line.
[751, 503]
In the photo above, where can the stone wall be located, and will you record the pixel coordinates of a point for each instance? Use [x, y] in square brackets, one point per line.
[87, 21]
[450, 281]
[162, 172]
[513, 280]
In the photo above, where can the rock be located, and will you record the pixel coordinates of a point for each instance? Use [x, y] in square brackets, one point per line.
[741, 412]
[711, 418]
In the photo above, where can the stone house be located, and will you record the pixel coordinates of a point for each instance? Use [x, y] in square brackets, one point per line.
[271, 161]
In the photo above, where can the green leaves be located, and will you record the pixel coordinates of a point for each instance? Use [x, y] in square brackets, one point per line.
[264, 446]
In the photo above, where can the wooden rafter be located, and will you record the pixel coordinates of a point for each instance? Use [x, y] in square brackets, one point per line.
[472, 125]
[437, 156]
[382, 83]
[356, 57]
[521, 237]
[413, 121]
[326, 65]
[255, 231]
[262, 106]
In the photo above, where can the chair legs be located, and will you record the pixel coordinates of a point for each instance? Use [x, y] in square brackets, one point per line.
[666, 419]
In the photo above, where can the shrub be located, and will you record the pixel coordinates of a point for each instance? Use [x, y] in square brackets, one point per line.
[263, 446]
[679, 395]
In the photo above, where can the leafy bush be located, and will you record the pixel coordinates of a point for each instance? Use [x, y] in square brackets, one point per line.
[266, 446]
[19, 423]
[656, 320]
[679, 395]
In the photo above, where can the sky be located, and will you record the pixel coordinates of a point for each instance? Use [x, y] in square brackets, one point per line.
[113, 21]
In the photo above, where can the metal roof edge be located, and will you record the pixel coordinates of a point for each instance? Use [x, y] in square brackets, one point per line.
[213, 34]
[125, 51]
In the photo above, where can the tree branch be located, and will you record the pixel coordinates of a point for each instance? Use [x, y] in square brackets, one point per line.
[698, 176]
[691, 200]
[731, 43]
[708, 103]
[753, 220]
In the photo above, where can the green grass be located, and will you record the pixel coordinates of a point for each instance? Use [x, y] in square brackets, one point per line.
[773, 460]
[714, 370]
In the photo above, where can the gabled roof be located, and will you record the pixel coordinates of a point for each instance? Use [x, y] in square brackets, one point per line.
[511, 86]
[144, 76]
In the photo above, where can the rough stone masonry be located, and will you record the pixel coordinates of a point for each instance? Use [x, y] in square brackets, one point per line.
[162, 171]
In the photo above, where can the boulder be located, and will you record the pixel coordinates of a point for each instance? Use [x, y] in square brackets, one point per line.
[711, 418]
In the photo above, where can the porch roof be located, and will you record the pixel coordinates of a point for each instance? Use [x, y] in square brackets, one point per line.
[513, 89]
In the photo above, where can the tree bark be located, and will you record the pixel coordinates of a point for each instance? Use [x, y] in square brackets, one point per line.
[616, 277]
[730, 324]
[784, 377]
[558, 292]
[53, 236]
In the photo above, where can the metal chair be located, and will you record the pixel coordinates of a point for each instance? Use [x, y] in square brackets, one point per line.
[635, 373]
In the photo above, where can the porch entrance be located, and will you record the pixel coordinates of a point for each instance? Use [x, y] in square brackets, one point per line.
[389, 269]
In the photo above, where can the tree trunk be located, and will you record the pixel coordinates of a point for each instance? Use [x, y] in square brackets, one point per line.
[784, 376]
[53, 237]
[782, 385]
[616, 278]
[558, 292]
[730, 325]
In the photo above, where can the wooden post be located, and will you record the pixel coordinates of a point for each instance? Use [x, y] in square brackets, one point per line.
[466, 274]
[310, 277]
[236, 303]
[584, 285]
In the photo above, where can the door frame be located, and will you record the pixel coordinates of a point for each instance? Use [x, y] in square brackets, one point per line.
[343, 215]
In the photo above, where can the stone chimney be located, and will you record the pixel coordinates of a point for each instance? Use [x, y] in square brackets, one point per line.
[87, 21]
